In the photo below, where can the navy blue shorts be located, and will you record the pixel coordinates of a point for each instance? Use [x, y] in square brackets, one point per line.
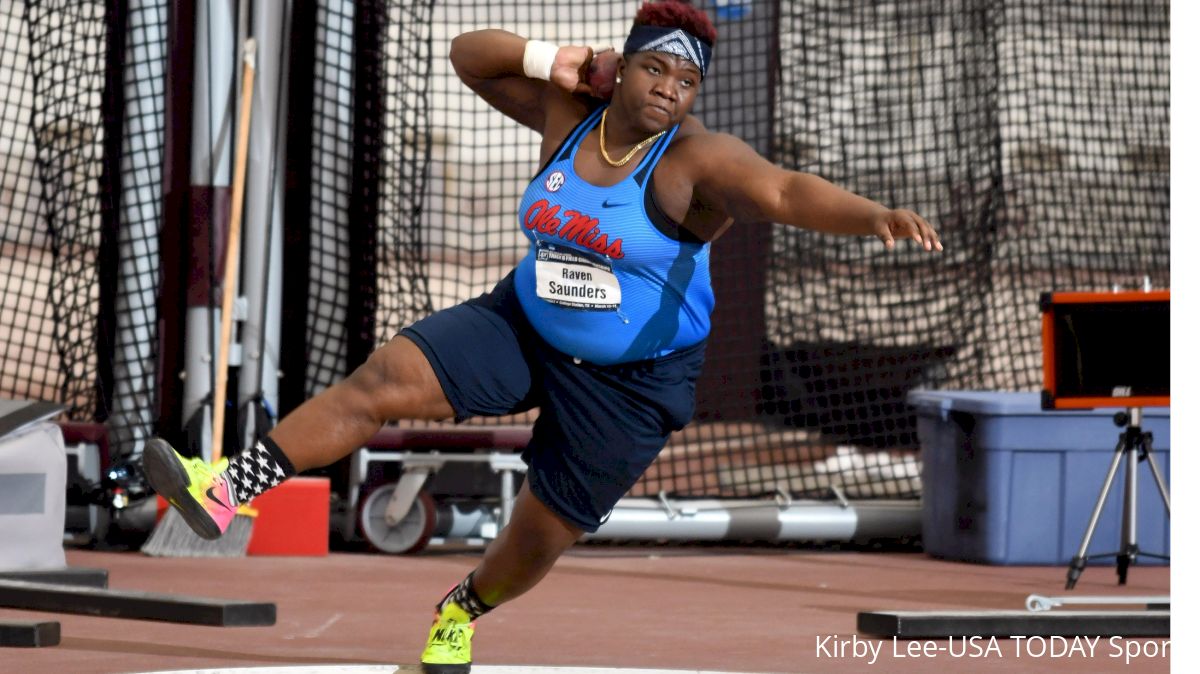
[599, 428]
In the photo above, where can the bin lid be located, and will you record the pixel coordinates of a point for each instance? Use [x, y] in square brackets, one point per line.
[18, 414]
[1000, 403]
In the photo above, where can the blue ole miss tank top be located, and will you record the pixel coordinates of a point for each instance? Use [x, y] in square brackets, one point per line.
[608, 277]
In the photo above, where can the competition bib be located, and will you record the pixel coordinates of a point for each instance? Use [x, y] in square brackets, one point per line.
[573, 278]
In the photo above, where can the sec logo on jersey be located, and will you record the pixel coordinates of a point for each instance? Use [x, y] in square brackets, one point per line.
[555, 181]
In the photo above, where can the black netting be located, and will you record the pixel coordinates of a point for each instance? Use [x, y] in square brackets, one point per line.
[79, 256]
[52, 63]
[142, 74]
[332, 154]
[1033, 135]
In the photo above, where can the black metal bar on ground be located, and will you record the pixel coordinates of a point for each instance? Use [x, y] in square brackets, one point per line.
[29, 634]
[76, 577]
[943, 624]
[134, 605]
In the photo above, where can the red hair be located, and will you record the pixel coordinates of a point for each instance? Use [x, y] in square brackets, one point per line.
[677, 14]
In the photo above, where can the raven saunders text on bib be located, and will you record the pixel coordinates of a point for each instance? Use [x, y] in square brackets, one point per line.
[573, 278]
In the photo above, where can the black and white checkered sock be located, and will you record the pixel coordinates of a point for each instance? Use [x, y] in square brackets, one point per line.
[258, 469]
[464, 595]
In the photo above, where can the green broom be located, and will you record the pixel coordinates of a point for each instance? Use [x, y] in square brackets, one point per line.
[172, 536]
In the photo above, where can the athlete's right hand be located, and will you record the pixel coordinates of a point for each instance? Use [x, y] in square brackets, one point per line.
[570, 69]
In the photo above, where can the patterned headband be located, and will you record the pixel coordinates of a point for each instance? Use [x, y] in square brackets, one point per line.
[672, 41]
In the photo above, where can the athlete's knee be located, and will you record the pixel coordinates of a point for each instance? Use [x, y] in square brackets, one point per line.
[396, 382]
[370, 377]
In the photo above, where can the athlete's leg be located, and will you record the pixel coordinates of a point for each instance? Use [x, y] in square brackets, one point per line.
[524, 550]
[520, 556]
[396, 382]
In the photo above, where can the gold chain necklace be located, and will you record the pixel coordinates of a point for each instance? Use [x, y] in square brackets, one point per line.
[624, 160]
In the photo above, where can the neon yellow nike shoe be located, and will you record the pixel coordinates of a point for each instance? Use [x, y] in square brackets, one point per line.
[198, 490]
[448, 650]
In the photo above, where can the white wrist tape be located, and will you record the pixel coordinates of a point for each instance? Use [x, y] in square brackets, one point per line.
[539, 59]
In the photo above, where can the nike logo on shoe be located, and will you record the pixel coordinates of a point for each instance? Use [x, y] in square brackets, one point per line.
[213, 497]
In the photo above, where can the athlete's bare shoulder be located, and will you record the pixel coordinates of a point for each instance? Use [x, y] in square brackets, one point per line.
[691, 126]
[695, 138]
[700, 147]
[563, 112]
[696, 149]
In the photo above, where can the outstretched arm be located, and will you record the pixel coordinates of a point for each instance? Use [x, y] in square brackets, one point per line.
[735, 178]
[491, 63]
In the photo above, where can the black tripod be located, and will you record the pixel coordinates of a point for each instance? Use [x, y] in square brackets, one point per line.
[1133, 446]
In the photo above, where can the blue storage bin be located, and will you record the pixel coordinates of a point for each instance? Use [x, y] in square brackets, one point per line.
[1005, 482]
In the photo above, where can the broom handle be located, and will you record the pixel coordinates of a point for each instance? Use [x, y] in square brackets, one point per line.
[233, 249]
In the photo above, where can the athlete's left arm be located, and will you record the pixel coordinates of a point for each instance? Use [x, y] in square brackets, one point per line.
[729, 174]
